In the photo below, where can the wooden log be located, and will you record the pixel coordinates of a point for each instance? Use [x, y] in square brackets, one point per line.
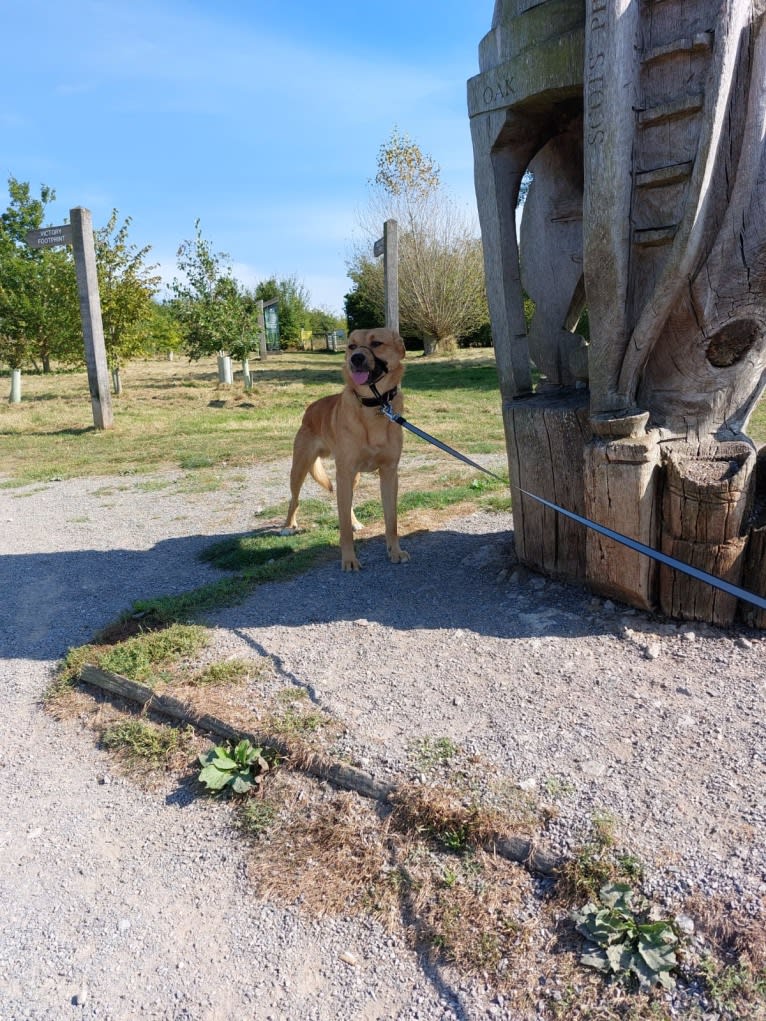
[319, 766]
[515, 848]
[546, 435]
[621, 479]
[708, 491]
[707, 500]
[754, 571]
[754, 575]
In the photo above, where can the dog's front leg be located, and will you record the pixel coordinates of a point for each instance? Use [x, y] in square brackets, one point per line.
[344, 485]
[389, 493]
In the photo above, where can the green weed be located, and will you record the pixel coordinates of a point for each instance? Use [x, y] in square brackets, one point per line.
[229, 672]
[237, 768]
[621, 939]
[429, 752]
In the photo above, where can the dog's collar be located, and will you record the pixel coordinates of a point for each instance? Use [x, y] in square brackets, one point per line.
[376, 402]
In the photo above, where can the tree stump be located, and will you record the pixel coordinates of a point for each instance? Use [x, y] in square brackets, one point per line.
[707, 501]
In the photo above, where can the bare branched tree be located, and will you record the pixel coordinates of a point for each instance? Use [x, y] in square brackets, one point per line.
[441, 271]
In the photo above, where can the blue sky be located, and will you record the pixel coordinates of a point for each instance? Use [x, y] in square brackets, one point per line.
[263, 119]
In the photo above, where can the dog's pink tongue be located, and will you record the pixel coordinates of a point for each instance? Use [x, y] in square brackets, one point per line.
[360, 377]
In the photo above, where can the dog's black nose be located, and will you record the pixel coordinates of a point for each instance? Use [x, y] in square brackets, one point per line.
[358, 358]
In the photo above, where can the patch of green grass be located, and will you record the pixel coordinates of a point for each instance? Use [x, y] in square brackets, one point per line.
[736, 988]
[294, 715]
[229, 672]
[190, 462]
[256, 817]
[479, 491]
[296, 721]
[143, 657]
[289, 696]
[598, 862]
[757, 425]
[429, 752]
[153, 485]
[555, 787]
[253, 561]
[142, 741]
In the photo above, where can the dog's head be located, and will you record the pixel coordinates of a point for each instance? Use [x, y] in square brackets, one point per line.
[374, 357]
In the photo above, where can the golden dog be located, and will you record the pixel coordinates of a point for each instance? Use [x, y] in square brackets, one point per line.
[351, 427]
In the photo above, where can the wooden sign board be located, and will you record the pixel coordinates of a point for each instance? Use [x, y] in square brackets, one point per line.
[48, 237]
[378, 247]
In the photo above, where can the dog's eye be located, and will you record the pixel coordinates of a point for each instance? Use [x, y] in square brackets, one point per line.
[351, 347]
[376, 343]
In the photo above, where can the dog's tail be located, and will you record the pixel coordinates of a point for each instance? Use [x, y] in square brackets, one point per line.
[318, 473]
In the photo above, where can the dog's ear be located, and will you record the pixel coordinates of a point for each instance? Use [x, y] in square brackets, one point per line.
[399, 345]
[354, 335]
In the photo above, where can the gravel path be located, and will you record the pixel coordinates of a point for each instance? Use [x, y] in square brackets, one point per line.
[118, 903]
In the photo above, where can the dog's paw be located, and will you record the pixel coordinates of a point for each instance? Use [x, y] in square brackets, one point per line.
[398, 556]
[350, 564]
[288, 531]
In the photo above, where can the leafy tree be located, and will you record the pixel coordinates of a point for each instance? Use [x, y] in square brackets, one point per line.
[162, 331]
[126, 286]
[240, 308]
[207, 303]
[39, 309]
[294, 306]
[441, 270]
[405, 172]
[365, 307]
[322, 320]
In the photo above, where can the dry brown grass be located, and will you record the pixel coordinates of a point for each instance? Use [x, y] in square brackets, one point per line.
[435, 813]
[731, 930]
[331, 852]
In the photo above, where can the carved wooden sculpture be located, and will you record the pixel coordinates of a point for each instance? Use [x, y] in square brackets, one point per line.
[644, 125]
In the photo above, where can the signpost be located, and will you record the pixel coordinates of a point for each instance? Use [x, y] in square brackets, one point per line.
[79, 234]
[47, 237]
[388, 247]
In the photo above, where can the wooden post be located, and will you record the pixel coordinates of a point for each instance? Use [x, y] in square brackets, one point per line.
[391, 273]
[90, 309]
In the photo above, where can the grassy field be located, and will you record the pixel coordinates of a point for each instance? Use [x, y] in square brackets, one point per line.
[176, 415]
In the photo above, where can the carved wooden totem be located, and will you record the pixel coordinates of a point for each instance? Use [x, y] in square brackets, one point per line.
[643, 123]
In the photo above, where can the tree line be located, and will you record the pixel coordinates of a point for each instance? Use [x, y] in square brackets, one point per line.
[207, 310]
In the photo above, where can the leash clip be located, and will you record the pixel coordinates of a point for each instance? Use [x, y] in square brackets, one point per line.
[385, 406]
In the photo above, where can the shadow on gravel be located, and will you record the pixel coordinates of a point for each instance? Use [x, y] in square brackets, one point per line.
[454, 580]
[53, 601]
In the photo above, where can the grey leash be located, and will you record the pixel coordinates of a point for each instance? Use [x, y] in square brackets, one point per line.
[634, 544]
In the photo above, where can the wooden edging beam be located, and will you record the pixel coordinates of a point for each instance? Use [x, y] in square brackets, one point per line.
[521, 850]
